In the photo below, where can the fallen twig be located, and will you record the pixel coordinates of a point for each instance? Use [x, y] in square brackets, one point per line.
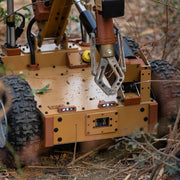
[88, 154]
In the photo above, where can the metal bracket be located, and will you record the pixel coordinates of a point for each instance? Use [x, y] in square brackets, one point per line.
[121, 51]
[93, 53]
[102, 81]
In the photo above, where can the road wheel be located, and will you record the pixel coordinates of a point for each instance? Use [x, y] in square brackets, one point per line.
[166, 92]
[24, 123]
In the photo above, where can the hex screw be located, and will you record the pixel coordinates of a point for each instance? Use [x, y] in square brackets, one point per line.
[56, 129]
[145, 118]
[142, 109]
[60, 119]
[59, 139]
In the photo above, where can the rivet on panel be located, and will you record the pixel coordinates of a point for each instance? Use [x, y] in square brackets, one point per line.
[145, 118]
[56, 129]
[59, 139]
[142, 109]
[60, 119]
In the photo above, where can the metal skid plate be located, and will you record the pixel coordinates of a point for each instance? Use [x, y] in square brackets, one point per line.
[106, 122]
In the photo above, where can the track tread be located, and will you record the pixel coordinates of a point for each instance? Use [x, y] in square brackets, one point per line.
[132, 44]
[167, 93]
[23, 118]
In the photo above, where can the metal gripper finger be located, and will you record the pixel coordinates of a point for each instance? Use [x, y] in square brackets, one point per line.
[102, 80]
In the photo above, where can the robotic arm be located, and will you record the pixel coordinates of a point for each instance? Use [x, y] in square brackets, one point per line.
[52, 17]
[110, 72]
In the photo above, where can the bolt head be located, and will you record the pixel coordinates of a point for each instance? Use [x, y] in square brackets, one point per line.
[109, 52]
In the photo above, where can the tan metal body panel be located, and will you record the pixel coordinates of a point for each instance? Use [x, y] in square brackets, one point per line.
[71, 87]
[68, 87]
[125, 120]
[145, 86]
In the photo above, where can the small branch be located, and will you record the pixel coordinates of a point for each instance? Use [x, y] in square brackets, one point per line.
[166, 30]
[160, 2]
[88, 153]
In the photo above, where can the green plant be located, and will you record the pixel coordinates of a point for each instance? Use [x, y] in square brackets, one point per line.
[27, 15]
[73, 18]
[2, 11]
[41, 91]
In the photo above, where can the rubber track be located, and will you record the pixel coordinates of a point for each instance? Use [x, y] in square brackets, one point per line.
[167, 93]
[132, 44]
[165, 71]
[23, 118]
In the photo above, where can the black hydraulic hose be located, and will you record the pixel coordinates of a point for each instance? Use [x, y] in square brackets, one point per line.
[23, 20]
[30, 40]
[82, 33]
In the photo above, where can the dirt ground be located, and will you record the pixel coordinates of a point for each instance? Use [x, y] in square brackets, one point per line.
[158, 34]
